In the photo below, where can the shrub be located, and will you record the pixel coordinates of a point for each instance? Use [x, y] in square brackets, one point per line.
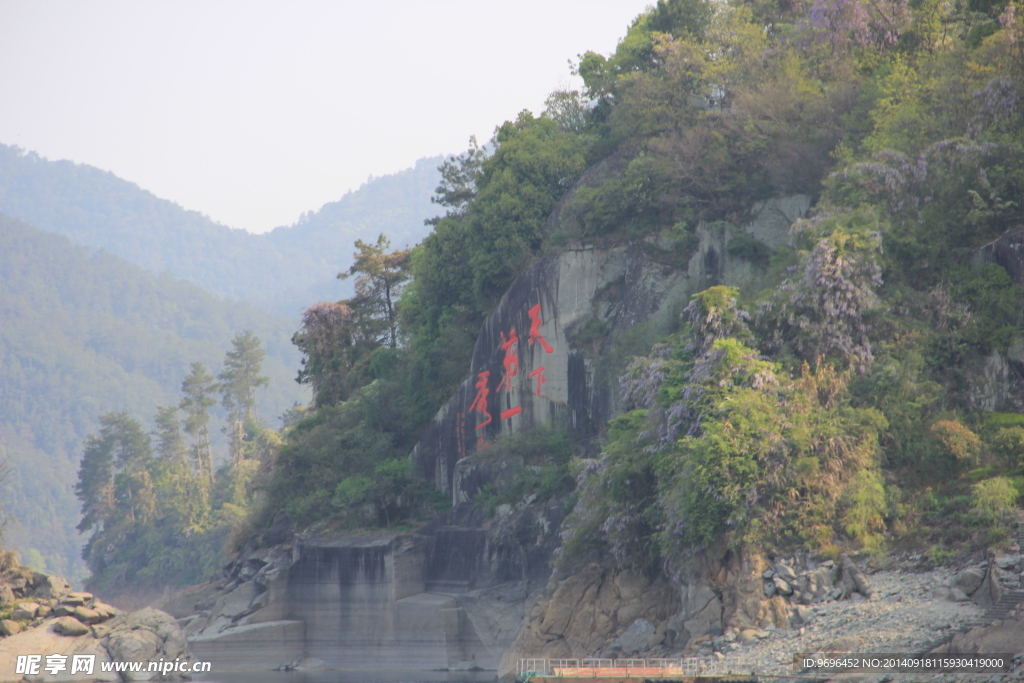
[994, 499]
[958, 444]
[1008, 443]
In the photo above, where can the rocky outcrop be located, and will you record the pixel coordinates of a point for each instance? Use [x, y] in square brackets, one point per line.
[733, 597]
[1005, 636]
[48, 618]
[596, 612]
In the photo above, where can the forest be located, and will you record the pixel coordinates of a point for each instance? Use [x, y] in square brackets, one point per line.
[832, 409]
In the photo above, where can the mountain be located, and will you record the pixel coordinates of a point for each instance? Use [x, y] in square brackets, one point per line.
[83, 333]
[284, 270]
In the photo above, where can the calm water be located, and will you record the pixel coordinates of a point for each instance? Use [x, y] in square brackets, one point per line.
[348, 676]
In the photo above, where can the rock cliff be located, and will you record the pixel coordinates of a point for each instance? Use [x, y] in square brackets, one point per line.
[552, 350]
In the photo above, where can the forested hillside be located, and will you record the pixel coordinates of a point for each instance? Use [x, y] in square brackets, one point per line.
[284, 270]
[845, 404]
[83, 333]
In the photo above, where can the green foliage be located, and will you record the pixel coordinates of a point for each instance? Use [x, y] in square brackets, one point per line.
[956, 446]
[471, 257]
[995, 499]
[863, 519]
[348, 463]
[164, 518]
[742, 245]
[1008, 444]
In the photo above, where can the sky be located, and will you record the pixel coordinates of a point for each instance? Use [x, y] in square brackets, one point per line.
[255, 112]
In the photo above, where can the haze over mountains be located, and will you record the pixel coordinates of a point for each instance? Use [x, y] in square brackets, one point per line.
[283, 270]
[113, 322]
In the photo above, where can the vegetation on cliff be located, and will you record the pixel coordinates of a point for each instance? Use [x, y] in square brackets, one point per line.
[831, 409]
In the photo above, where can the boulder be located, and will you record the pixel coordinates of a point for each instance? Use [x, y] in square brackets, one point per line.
[87, 616]
[9, 627]
[853, 579]
[820, 583]
[990, 590]
[104, 610]
[69, 626]
[586, 614]
[6, 595]
[51, 587]
[145, 635]
[26, 610]
[76, 598]
[957, 595]
[1007, 562]
[786, 572]
[748, 636]
[782, 586]
[969, 579]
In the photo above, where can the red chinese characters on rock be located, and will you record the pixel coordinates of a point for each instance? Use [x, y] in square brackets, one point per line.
[535, 323]
[479, 403]
[510, 362]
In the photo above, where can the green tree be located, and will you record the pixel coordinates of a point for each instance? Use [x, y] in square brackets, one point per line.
[114, 484]
[333, 346]
[379, 278]
[238, 383]
[180, 493]
[196, 403]
[459, 176]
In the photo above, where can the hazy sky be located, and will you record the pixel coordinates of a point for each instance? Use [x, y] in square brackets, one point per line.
[254, 112]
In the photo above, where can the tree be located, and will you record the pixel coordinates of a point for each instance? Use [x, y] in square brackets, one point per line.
[379, 280]
[241, 377]
[331, 345]
[113, 480]
[238, 383]
[179, 489]
[197, 388]
[459, 177]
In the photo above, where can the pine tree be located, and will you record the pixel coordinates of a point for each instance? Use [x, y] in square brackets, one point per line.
[238, 383]
[197, 388]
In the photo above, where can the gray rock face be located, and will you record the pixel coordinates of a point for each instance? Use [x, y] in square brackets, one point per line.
[531, 365]
[588, 612]
[636, 639]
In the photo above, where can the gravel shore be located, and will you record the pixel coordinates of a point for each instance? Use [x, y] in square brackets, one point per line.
[903, 616]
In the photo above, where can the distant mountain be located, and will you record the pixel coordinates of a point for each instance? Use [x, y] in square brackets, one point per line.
[83, 333]
[284, 270]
